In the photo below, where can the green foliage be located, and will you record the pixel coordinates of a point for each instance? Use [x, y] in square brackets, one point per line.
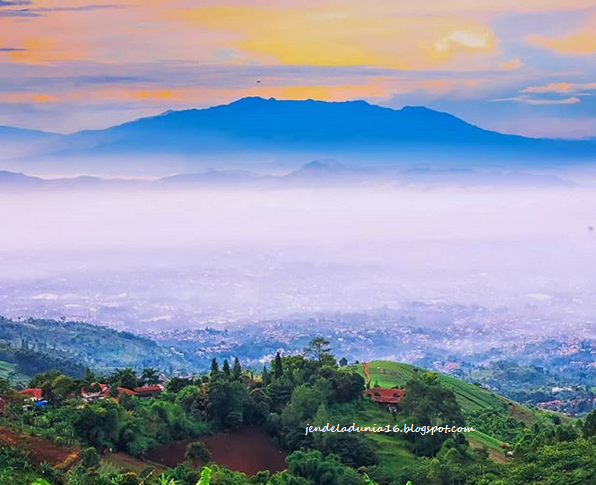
[15, 467]
[317, 349]
[37, 345]
[278, 368]
[229, 403]
[126, 378]
[471, 398]
[427, 403]
[321, 470]
[205, 476]
[197, 451]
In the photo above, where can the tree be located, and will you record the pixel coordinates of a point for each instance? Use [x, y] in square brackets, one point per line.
[90, 458]
[589, 425]
[176, 384]
[236, 370]
[343, 362]
[197, 452]
[427, 403]
[317, 348]
[226, 368]
[228, 401]
[278, 369]
[321, 470]
[62, 387]
[125, 378]
[265, 376]
[214, 367]
[150, 376]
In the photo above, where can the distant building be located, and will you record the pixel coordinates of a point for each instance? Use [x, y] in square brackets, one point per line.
[102, 391]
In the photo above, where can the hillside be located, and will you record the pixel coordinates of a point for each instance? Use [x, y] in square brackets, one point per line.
[470, 397]
[91, 346]
[478, 404]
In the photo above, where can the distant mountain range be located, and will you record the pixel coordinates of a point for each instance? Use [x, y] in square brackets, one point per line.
[254, 132]
[314, 174]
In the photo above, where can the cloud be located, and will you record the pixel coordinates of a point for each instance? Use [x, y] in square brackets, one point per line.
[14, 3]
[43, 50]
[41, 11]
[580, 89]
[555, 93]
[11, 49]
[511, 65]
[473, 40]
[581, 41]
[353, 35]
[534, 101]
[19, 13]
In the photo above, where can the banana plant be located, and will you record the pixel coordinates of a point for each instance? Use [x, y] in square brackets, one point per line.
[205, 476]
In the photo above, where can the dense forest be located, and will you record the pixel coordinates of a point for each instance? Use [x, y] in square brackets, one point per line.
[77, 438]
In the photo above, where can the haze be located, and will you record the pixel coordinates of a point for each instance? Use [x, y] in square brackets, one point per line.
[150, 258]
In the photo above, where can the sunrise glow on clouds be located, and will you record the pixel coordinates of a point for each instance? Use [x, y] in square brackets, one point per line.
[70, 64]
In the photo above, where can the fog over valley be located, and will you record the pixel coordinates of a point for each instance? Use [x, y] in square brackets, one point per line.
[146, 259]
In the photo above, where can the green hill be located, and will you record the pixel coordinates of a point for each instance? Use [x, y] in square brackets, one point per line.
[88, 345]
[10, 372]
[473, 400]
[469, 396]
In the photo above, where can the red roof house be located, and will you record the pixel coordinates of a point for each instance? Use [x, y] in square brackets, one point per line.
[385, 396]
[34, 394]
[124, 390]
[100, 392]
[148, 391]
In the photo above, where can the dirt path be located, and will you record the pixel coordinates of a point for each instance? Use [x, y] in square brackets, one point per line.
[366, 372]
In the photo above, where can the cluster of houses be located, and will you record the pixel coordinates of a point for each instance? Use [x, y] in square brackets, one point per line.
[96, 392]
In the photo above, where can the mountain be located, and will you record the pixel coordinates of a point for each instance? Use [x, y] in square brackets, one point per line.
[9, 133]
[351, 127]
[19, 180]
[254, 132]
[318, 173]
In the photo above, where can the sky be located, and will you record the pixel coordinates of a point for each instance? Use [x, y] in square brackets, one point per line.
[516, 66]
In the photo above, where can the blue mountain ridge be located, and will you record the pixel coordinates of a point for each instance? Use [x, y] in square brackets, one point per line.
[349, 131]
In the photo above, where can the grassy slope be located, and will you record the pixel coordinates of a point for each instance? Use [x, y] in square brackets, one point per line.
[470, 397]
[390, 449]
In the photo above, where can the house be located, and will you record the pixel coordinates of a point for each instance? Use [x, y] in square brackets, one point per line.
[148, 391]
[32, 394]
[102, 391]
[95, 392]
[124, 390]
[385, 396]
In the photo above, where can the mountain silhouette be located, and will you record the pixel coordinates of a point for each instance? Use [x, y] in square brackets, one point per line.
[354, 132]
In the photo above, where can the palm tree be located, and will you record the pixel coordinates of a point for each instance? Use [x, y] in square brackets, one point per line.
[150, 376]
